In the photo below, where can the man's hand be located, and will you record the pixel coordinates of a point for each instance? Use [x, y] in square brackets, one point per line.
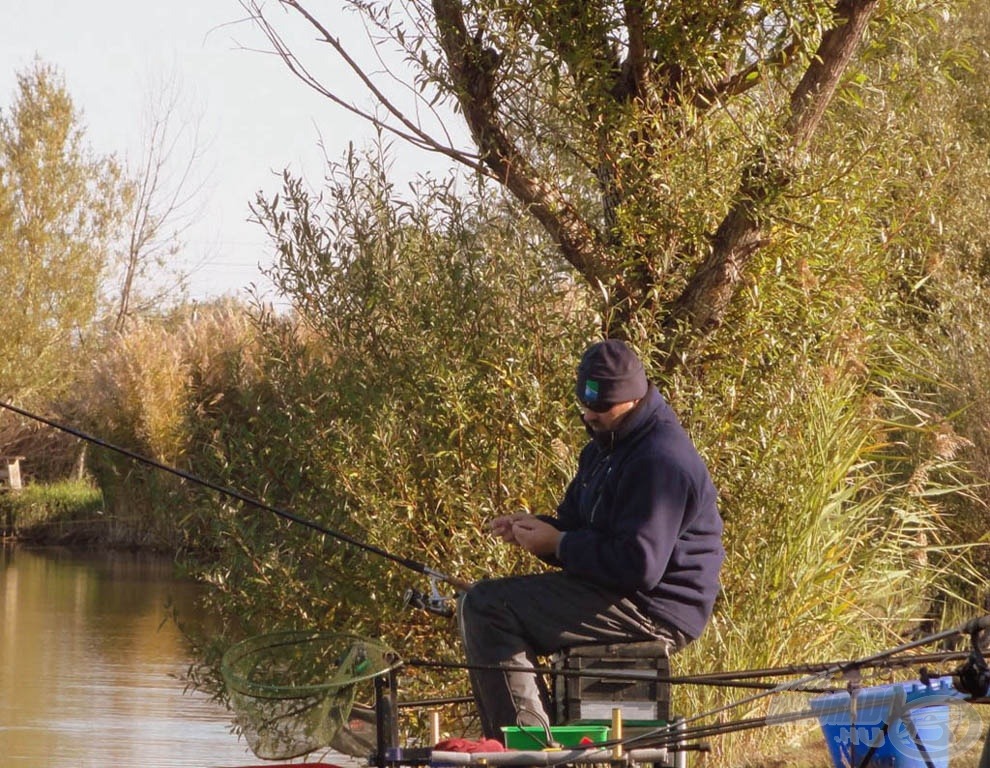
[536, 536]
[502, 526]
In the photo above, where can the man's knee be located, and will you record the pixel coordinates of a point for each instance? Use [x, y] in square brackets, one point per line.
[483, 598]
[474, 609]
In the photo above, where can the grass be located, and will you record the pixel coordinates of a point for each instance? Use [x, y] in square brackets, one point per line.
[68, 511]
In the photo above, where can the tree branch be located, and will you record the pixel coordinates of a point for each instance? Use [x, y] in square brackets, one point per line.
[635, 68]
[410, 131]
[702, 306]
[473, 80]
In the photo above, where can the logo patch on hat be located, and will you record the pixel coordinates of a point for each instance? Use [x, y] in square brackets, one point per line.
[590, 391]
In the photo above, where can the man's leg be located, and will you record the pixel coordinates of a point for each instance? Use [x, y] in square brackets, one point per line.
[512, 621]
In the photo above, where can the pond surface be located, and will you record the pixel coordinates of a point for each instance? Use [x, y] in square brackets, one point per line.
[91, 666]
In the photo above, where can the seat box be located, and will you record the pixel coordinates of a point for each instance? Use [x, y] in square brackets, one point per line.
[627, 680]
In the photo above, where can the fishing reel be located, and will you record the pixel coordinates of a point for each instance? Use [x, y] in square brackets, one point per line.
[434, 602]
[973, 677]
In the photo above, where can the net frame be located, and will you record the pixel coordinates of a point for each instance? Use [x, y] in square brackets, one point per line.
[292, 691]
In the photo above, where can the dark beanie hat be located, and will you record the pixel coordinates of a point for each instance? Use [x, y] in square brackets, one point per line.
[610, 373]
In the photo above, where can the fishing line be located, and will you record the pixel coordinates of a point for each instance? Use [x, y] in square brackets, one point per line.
[242, 497]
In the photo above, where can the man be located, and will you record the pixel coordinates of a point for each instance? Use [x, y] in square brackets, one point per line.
[637, 538]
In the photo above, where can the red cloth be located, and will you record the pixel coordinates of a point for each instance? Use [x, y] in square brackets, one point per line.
[469, 745]
[292, 765]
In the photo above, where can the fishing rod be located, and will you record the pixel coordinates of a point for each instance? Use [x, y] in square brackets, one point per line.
[748, 678]
[435, 603]
[973, 687]
[665, 736]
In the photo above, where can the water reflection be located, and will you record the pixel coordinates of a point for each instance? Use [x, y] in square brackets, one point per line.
[89, 666]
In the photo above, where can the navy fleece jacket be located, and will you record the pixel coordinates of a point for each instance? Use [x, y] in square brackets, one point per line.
[640, 517]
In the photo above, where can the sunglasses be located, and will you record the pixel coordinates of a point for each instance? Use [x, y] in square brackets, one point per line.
[597, 407]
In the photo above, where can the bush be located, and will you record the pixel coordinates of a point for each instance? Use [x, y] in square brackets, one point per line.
[139, 396]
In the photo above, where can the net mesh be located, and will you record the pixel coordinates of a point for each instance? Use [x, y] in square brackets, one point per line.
[292, 692]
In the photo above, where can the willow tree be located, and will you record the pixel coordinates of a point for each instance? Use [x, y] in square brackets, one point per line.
[653, 141]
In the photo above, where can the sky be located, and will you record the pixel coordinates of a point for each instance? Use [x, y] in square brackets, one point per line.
[254, 117]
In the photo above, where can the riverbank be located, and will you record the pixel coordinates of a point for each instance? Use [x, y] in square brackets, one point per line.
[67, 513]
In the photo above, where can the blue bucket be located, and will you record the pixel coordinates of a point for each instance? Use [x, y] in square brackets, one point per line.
[899, 706]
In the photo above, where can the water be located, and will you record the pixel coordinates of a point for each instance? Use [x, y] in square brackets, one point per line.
[90, 667]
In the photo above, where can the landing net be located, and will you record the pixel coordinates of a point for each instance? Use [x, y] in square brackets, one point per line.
[292, 692]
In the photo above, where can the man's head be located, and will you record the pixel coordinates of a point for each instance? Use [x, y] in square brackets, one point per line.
[610, 379]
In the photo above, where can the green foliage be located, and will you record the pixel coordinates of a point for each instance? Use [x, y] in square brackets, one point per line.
[836, 464]
[825, 407]
[657, 144]
[69, 511]
[424, 386]
[830, 556]
[946, 110]
[60, 210]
